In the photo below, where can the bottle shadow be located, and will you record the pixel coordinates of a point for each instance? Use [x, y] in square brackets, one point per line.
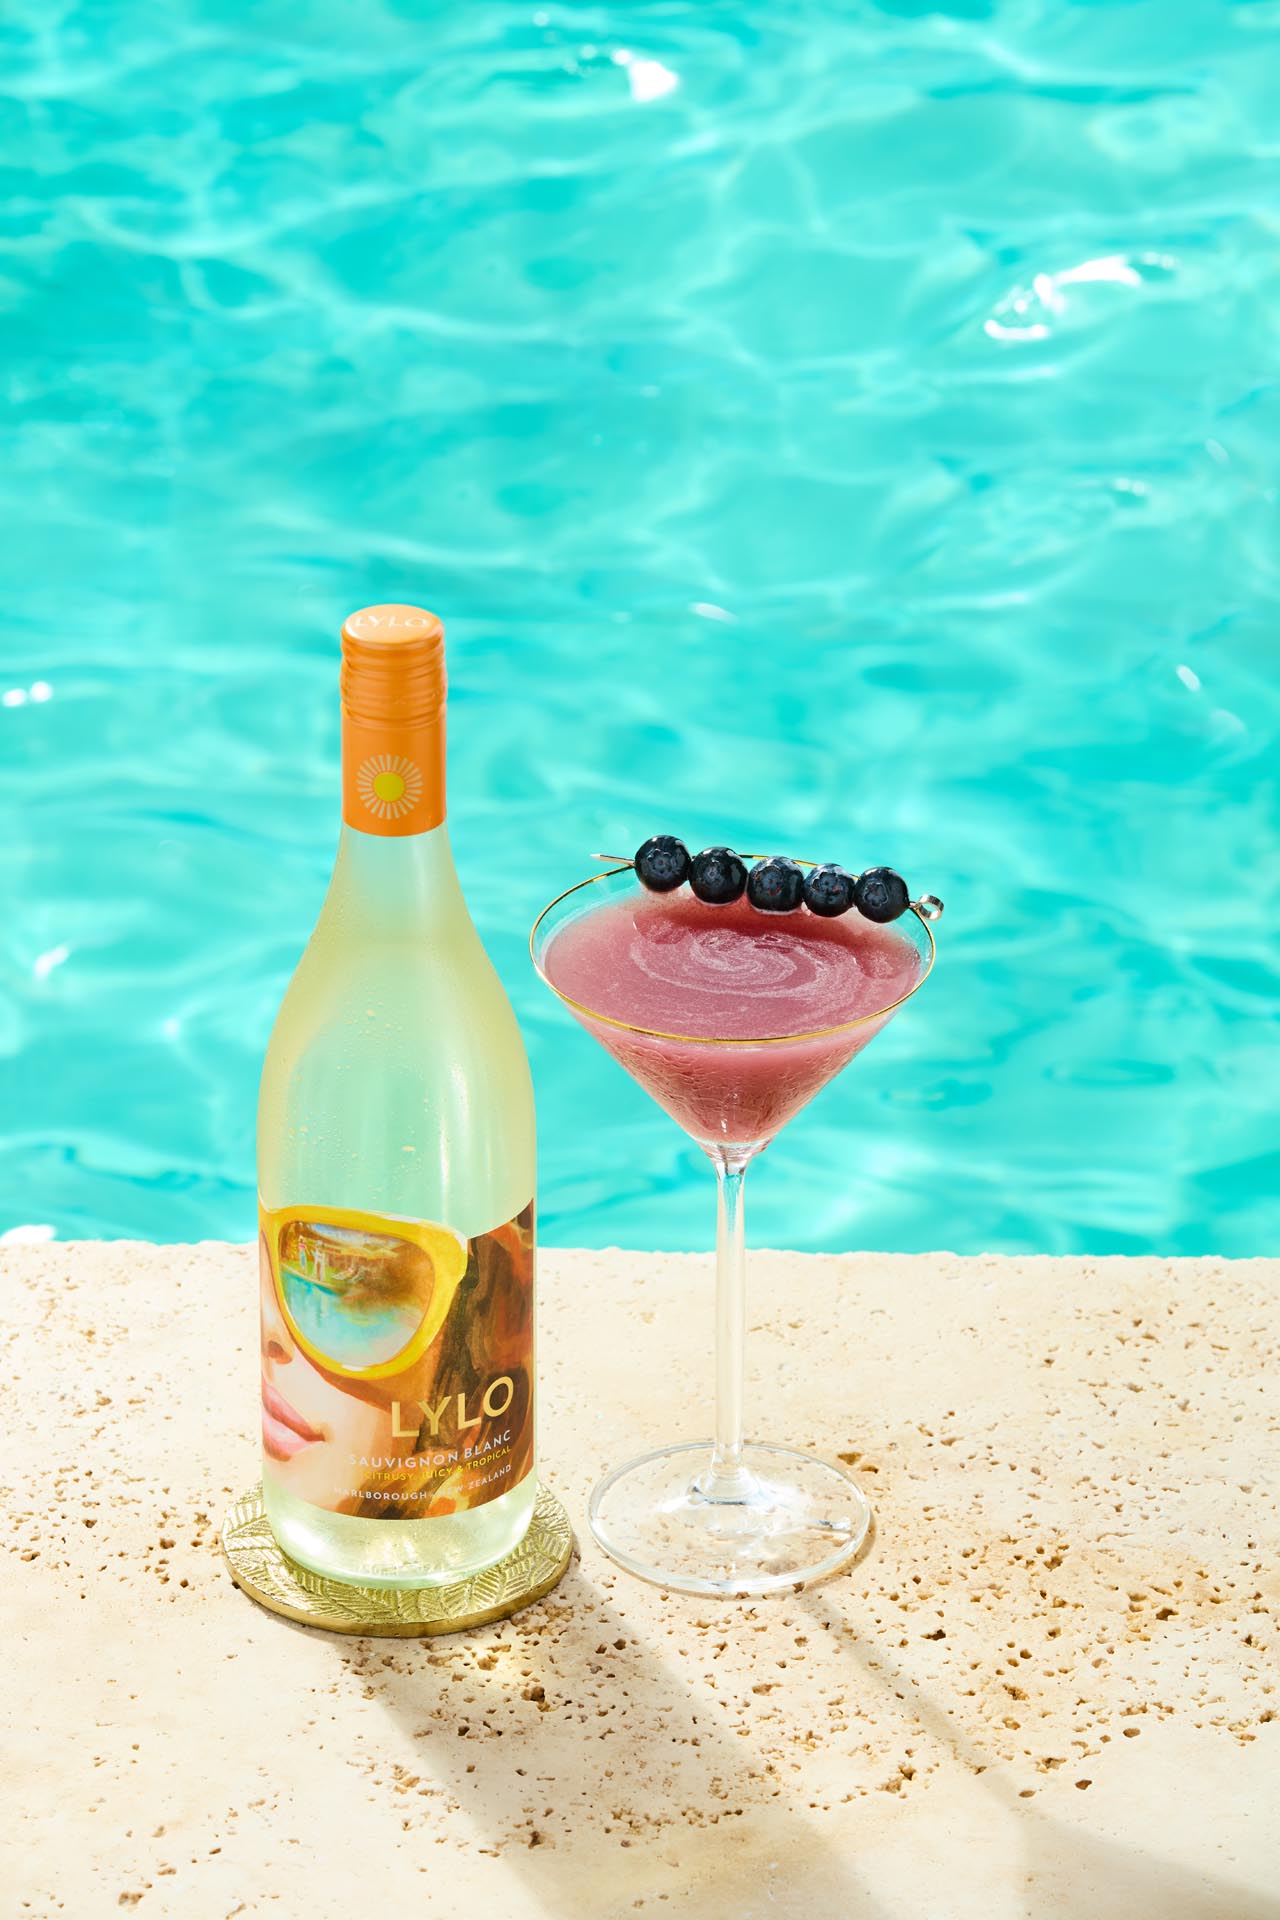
[580, 1756]
[1068, 1872]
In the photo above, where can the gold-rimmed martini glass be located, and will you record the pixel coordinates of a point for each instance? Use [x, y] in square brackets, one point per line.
[726, 1516]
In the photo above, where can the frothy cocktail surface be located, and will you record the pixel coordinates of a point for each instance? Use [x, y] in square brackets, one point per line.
[674, 965]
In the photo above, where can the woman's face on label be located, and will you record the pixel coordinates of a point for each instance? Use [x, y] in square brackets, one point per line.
[310, 1425]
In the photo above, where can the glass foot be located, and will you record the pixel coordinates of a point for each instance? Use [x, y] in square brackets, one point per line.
[787, 1519]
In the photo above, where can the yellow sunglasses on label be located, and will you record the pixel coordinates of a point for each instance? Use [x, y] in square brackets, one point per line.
[363, 1295]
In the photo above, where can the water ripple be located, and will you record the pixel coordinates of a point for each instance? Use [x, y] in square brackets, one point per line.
[847, 430]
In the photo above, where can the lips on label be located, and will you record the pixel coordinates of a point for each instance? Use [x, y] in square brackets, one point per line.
[397, 1361]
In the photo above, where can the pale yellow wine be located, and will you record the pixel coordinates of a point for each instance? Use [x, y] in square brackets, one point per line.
[396, 1177]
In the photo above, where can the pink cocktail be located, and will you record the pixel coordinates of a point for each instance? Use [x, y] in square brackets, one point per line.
[656, 976]
[732, 1018]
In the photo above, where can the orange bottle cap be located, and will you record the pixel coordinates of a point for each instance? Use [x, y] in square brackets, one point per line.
[393, 664]
[393, 694]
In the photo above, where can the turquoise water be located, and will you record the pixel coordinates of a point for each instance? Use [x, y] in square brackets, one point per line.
[846, 430]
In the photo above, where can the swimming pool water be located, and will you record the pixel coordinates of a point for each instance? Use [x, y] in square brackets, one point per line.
[848, 431]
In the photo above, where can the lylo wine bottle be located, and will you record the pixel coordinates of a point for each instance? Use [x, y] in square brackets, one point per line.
[396, 1177]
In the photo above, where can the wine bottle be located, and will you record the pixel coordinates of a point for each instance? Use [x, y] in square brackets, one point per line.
[396, 1177]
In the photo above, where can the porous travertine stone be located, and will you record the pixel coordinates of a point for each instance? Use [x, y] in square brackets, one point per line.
[1048, 1689]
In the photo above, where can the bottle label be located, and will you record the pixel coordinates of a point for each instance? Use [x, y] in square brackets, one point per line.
[397, 1361]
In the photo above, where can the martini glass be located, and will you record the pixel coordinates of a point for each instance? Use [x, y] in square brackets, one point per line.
[732, 1019]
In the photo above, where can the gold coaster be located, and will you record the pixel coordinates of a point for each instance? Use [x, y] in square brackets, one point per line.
[268, 1576]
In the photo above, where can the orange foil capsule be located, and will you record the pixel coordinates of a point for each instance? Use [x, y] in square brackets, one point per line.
[393, 697]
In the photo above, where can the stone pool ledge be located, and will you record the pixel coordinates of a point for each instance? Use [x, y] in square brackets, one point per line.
[1051, 1688]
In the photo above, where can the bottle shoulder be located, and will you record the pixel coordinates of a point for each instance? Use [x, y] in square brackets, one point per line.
[410, 1094]
[378, 1013]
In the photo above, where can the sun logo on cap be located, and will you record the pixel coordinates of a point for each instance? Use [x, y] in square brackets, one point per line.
[389, 785]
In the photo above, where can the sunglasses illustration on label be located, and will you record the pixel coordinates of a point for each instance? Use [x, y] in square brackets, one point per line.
[365, 1302]
[397, 1360]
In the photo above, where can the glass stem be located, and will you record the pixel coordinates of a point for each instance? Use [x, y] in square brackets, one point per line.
[726, 1478]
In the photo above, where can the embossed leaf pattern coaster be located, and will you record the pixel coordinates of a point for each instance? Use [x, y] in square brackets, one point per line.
[268, 1576]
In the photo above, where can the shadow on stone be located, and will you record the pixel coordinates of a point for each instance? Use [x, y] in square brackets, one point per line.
[587, 1764]
[1068, 1872]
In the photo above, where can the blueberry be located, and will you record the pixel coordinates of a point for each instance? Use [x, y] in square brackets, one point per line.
[828, 890]
[718, 876]
[880, 894]
[662, 864]
[775, 886]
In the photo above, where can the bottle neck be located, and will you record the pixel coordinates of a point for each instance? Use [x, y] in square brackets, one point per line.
[392, 772]
[393, 885]
[394, 871]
